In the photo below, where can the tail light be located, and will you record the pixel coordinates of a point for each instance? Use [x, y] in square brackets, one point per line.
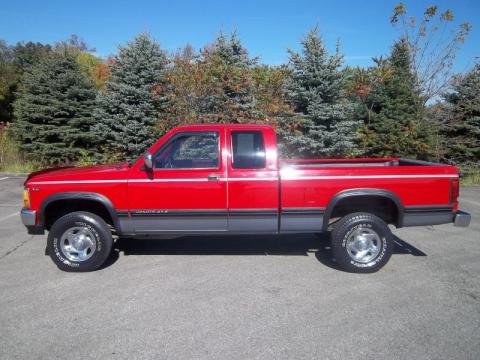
[454, 192]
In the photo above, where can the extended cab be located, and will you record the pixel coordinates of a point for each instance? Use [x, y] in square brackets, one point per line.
[227, 179]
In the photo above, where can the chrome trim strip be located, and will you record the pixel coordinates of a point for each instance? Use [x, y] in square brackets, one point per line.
[292, 177]
[146, 180]
[253, 179]
[169, 180]
[76, 182]
[287, 177]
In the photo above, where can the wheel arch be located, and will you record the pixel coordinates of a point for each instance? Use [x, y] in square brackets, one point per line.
[73, 196]
[364, 193]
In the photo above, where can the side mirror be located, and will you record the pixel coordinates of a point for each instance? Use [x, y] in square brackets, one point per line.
[148, 161]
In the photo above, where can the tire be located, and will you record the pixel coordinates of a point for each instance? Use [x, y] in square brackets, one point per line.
[89, 233]
[361, 243]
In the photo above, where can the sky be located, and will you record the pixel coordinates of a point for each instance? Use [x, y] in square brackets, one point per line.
[267, 28]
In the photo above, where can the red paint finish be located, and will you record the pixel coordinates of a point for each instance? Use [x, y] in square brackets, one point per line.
[179, 188]
[280, 185]
[109, 181]
[254, 188]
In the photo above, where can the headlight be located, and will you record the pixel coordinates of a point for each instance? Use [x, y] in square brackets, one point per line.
[26, 198]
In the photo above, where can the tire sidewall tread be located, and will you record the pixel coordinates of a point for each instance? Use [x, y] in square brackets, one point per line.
[345, 227]
[103, 239]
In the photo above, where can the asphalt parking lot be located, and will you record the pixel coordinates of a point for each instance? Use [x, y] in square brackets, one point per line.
[241, 297]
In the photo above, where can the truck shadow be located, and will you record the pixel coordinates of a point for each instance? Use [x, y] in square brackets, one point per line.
[285, 245]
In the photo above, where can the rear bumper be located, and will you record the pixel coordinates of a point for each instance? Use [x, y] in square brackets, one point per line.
[462, 219]
[29, 219]
[435, 216]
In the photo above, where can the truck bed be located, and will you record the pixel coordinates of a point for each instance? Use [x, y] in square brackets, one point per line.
[421, 189]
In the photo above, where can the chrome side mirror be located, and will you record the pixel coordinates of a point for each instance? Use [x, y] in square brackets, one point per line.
[148, 161]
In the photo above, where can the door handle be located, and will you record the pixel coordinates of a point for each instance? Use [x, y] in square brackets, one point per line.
[213, 177]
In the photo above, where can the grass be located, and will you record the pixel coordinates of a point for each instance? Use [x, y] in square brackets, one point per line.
[470, 175]
[19, 167]
[11, 159]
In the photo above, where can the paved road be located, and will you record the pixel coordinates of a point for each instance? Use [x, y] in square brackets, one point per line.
[241, 298]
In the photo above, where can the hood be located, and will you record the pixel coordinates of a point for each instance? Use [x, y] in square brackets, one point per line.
[79, 173]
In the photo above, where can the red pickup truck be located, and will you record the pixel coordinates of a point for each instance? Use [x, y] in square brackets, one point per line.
[227, 179]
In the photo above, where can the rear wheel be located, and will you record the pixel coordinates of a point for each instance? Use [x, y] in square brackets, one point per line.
[79, 241]
[361, 243]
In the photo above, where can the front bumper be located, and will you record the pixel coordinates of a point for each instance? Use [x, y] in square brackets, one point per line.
[29, 219]
[462, 218]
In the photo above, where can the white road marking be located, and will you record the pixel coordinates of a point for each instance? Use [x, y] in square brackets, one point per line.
[4, 178]
[10, 216]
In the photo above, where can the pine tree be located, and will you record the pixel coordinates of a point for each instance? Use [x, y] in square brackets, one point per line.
[13, 62]
[394, 118]
[231, 51]
[323, 125]
[53, 111]
[126, 113]
[461, 127]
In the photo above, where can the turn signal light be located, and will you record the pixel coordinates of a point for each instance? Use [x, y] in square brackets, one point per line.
[26, 198]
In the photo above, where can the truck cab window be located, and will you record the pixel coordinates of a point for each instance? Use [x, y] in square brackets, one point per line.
[248, 150]
[189, 151]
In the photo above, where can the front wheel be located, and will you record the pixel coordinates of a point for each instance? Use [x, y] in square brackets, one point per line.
[361, 243]
[79, 241]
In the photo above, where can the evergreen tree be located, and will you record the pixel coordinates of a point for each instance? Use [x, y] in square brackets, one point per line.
[461, 126]
[53, 111]
[323, 125]
[394, 111]
[228, 65]
[26, 55]
[8, 82]
[13, 62]
[231, 51]
[127, 111]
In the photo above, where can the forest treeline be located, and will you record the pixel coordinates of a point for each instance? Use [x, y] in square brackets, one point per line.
[62, 105]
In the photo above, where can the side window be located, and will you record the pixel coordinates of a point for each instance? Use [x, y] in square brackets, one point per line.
[248, 150]
[189, 151]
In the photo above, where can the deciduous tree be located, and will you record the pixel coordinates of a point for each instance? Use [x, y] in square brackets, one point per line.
[213, 86]
[433, 42]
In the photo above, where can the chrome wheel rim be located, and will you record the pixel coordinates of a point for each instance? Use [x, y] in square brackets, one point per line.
[78, 243]
[363, 245]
